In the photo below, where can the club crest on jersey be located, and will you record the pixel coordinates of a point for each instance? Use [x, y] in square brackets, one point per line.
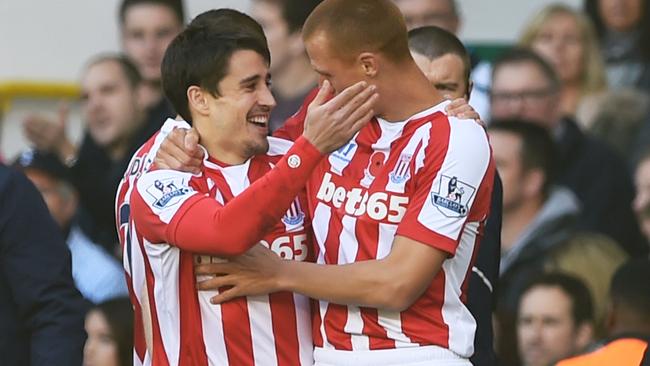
[401, 172]
[166, 192]
[452, 196]
[344, 152]
[294, 216]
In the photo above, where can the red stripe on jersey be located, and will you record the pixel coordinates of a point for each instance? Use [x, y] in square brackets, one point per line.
[283, 315]
[238, 339]
[159, 356]
[316, 322]
[192, 347]
[423, 322]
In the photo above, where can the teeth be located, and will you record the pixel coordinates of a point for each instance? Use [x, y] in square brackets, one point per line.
[259, 119]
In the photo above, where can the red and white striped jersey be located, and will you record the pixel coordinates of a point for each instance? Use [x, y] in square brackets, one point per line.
[428, 178]
[186, 328]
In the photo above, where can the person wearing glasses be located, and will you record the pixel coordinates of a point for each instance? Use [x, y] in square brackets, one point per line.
[525, 86]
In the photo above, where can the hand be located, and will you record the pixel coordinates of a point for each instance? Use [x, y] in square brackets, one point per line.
[48, 134]
[180, 151]
[256, 272]
[460, 108]
[331, 124]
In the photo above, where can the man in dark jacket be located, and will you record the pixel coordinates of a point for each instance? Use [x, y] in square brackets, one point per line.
[41, 312]
[524, 86]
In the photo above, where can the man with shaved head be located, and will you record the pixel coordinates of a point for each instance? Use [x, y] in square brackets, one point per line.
[397, 212]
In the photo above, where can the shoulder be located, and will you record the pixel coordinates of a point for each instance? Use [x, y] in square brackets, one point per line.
[160, 187]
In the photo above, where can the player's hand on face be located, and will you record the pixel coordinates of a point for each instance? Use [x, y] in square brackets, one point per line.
[47, 134]
[180, 151]
[332, 123]
[255, 272]
[460, 108]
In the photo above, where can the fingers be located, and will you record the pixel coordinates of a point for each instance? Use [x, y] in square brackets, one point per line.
[346, 95]
[213, 268]
[361, 111]
[173, 155]
[224, 296]
[213, 284]
[191, 143]
[459, 108]
[358, 101]
[323, 93]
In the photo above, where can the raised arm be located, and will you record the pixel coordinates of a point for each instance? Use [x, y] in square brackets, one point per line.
[167, 209]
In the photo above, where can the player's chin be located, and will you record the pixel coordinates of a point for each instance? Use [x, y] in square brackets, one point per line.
[258, 146]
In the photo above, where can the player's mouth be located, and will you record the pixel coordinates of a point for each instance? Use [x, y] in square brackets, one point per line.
[260, 120]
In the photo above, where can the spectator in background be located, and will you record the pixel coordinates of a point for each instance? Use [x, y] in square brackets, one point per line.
[538, 217]
[628, 320]
[96, 274]
[525, 87]
[445, 14]
[293, 76]
[593, 258]
[566, 39]
[41, 312]
[439, 13]
[621, 119]
[555, 319]
[146, 29]
[110, 334]
[623, 28]
[445, 62]
[642, 199]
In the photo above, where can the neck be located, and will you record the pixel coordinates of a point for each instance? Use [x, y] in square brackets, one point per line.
[295, 79]
[219, 147]
[118, 150]
[569, 98]
[516, 220]
[406, 92]
[151, 93]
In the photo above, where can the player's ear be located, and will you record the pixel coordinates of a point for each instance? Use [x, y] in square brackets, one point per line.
[197, 100]
[368, 63]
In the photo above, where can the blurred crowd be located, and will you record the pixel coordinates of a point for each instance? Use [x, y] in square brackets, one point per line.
[568, 114]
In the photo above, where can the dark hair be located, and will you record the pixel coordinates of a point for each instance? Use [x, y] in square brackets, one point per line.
[200, 56]
[176, 6]
[591, 9]
[582, 308]
[119, 317]
[352, 27]
[434, 42]
[538, 149]
[294, 12]
[129, 69]
[525, 55]
[631, 287]
[226, 20]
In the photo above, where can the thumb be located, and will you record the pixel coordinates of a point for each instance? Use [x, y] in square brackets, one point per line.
[63, 112]
[323, 93]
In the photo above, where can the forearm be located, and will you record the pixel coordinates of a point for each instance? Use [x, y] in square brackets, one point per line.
[230, 230]
[367, 283]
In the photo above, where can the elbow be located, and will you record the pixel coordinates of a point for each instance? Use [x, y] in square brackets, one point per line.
[398, 296]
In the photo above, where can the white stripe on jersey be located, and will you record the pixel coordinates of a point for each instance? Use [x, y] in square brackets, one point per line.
[322, 306]
[259, 313]
[420, 136]
[165, 261]
[278, 146]
[458, 318]
[354, 327]
[212, 325]
[304, 329]
[237, 177]
[385, 239]
[341, 158]
[348, 245]
[320, 226]
[391, 321]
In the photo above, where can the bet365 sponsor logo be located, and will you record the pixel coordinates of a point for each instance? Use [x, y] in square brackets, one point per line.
[380, 206]
[289, 247]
